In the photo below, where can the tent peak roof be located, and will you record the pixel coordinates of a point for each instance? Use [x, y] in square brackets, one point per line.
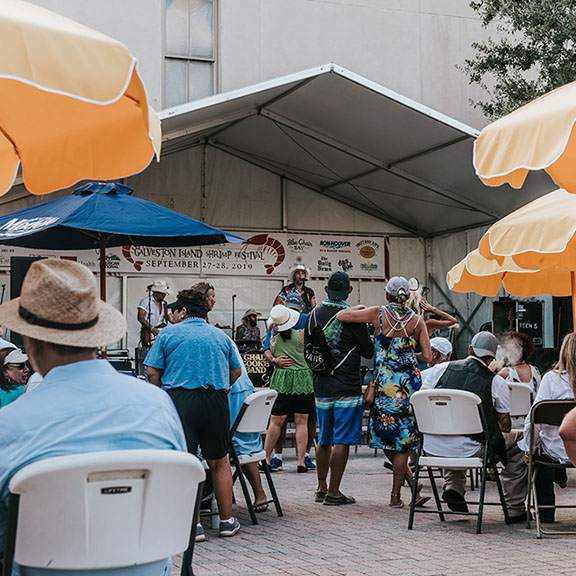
[353, 140]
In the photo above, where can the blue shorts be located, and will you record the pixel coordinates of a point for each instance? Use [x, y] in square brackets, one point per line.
[340, 420]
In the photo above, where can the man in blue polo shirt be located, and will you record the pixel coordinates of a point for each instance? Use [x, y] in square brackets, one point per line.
[197, 364]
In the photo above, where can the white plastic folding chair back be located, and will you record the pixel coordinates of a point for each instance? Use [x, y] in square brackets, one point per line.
[105, 509]
[520, 398]
[259, 406]
[447, 412]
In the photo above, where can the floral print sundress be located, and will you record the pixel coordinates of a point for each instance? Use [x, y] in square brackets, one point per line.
[397, 377]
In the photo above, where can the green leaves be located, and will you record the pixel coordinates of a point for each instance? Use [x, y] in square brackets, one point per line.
[533, 52]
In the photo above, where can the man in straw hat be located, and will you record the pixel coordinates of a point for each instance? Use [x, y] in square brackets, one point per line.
[83, 404]
[249, 329]
[153, 313]
[197, 363]
[299, 275]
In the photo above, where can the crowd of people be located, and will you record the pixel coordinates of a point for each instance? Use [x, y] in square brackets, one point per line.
[316, 349]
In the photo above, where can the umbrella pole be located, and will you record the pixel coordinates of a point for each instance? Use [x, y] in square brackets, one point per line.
[573, 286]
[103, 350]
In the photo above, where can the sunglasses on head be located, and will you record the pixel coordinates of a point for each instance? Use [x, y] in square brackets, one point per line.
[208, 288]
[19, 366]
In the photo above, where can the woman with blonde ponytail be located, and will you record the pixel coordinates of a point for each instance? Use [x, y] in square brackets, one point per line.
[398, 331]
[558, 384]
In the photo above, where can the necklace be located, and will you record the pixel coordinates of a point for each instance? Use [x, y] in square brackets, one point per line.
[395, 311]
[335, 303]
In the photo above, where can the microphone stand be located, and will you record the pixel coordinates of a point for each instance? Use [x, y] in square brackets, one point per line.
[3, 292]
[233, 316]
[149, 331]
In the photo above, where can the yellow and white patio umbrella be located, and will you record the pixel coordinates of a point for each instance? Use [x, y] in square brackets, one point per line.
[477, 274]
[538, 236]
[538, 136]
[72, 105]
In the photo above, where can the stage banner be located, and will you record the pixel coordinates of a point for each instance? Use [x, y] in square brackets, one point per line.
[269, 255]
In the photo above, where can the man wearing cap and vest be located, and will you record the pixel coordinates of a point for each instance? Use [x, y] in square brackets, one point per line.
[153, 313]
[83, 404]
[299, 275]
[473, 375]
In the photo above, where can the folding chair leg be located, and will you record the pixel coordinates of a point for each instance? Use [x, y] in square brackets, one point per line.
[529, 503]
[414, 493]
[273, 492]
[482, 495]
[244, 486]
[536, 511]
[501, 494]
[436, 495]
[189, 553]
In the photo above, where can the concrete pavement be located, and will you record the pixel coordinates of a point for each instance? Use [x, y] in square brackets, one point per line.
[371, 538]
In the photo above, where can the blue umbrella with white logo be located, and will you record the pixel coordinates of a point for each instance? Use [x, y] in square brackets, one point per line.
[101, 215]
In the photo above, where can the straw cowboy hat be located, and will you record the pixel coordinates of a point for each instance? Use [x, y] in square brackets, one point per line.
[250, 312]
[295, 269]
[159, 286]
[59, 303]
[283, 318]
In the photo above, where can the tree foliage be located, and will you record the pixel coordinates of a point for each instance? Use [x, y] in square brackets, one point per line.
[532, 53]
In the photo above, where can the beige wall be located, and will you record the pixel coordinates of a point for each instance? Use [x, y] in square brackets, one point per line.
[136, 23]
[410, 46]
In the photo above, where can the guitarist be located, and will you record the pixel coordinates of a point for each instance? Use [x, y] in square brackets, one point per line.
[153, 313]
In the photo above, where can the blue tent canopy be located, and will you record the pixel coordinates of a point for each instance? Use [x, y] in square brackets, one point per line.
[107, 211]
[98, 215]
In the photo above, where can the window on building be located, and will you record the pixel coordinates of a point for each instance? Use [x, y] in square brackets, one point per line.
[190, 50]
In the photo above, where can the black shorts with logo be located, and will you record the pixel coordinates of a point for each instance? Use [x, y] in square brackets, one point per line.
[205, 417]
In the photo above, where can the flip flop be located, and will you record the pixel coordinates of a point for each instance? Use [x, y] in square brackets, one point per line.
[422, 500]
[399, 505]
[260, 507]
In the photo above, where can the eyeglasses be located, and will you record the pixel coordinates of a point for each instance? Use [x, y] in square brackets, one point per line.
[19, 366]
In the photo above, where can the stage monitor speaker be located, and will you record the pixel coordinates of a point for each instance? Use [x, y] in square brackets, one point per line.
[18, 269]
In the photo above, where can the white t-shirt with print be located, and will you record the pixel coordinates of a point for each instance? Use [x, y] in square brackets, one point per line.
[460, 446]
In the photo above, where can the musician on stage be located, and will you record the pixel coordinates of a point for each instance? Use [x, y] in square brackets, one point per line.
[299, 275]
[153, 313]
[249, 329]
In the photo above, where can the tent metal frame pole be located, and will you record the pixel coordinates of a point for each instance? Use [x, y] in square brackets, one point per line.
[336, 144]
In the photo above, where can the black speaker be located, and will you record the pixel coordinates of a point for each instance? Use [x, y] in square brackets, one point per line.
[18, 269]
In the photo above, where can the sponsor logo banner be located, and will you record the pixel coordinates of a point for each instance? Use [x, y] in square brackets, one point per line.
[262, 255]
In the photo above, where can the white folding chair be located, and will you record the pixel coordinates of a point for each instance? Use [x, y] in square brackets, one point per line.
[451, 413]
[253, 418]
[550, 412]
[521, 396]
[104, 510]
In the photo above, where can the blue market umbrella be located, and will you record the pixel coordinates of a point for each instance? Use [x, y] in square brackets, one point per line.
[102, 215]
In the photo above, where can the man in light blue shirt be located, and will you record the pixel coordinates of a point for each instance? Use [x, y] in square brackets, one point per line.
[83, 404]
[197, 364]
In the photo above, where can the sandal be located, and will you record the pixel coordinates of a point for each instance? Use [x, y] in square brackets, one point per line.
[421, 500]
[400, 503]
[260, 506]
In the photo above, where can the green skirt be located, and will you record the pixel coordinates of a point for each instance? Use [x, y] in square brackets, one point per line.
[286, 381]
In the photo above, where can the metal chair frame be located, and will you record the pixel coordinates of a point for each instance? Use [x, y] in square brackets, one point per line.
[549, 412]
[487, 460]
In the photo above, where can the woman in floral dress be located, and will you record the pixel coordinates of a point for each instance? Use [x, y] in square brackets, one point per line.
[398, 332]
